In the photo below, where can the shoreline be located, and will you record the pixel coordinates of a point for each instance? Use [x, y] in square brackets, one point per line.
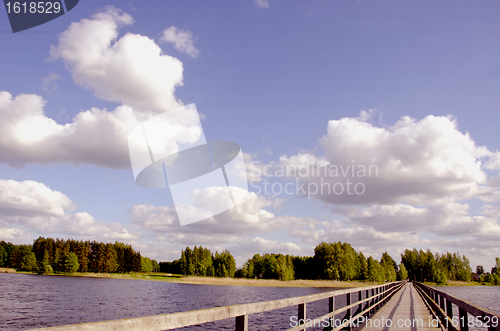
[199, 280]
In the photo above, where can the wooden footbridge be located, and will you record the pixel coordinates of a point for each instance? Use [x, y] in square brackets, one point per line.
[398, 306]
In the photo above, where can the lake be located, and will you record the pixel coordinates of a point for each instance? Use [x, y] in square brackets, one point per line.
[483, 296]
[35, 301]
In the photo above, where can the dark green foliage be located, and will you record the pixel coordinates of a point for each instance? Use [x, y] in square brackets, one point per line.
[224, 264]
[200, 262]
[304, 267]
[496, 269]
[425, 266]
[45, 266]
[16, 258]
[337, 261]
[173, 267]
[271, 266]
[88, 256]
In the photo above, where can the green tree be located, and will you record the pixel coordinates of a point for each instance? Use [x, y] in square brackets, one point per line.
[45, 267]
[71, 262]
[387, 264]
[29, 262]
[496, 268]
[16, 257]
[146, 264]
[251, 270]
[402, 273]
[183, 263]
[375, 270]
[363, 270]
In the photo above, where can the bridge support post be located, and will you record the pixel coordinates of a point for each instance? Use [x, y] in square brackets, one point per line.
[242, 323]
[464, 326]
[302, 314]
[449, 309]
[348, 314]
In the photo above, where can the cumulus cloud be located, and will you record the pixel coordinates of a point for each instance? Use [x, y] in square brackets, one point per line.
[95, 136]
[246, 218]
[181, 39]
[238, 229]
[448, 220]
[131, 70]
[31, 206]
[426, 161]
[360, 237]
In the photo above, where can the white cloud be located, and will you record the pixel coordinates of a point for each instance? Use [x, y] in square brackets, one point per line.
[95, 136]
[181, 39]
[247, 218]
[131, 70]
[447, 220]
[34, 206]
[494, 162]
[419, 162]
[262, 3]
[30, 198]
[48, 82]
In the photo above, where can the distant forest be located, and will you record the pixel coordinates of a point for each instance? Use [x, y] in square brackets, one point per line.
[331, 261]
[47, 255]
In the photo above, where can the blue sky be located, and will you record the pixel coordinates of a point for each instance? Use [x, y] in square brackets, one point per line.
[287, 81]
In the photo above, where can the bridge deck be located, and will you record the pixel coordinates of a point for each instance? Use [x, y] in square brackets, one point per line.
[405, 306]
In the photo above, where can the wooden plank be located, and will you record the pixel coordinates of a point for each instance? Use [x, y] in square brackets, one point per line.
[404, 311]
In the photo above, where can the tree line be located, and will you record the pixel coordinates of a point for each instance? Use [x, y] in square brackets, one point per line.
[487, 277]
[48, 255]
[331, 261]
[201, 262]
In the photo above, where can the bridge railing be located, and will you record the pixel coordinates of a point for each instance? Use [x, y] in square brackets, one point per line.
[469, 316]
[375, 296]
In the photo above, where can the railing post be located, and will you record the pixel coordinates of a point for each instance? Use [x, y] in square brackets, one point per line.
[372, 302]
[302, 314]
[348, 314]
[464, 326]
[449, 312]
[360, 297]
[441, 302]
[368, 302]
[449, 309]
[331, 308]
[242, 323]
